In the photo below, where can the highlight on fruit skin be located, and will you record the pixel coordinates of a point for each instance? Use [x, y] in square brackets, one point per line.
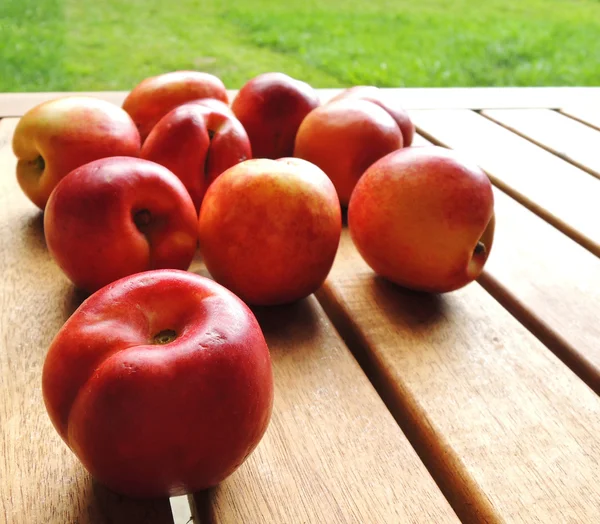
[423, 218]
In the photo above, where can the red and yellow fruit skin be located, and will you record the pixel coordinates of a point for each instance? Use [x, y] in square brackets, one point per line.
[155, 96]
[385, 101]
[60, 135]
[344, 138]
[269, 229]
[152, 420]
[118, 216]
[417, 215]
[271, 108]
[198, 141]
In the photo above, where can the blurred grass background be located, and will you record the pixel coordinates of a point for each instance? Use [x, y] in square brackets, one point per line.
[113, 44]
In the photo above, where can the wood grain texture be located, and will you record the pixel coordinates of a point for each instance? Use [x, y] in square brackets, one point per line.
[41, 481]
[332, 453]
[559, 192]
[587, 113]
[508, 431]
[16, 104]
[556, 297]
[570, 140]
[550, 283]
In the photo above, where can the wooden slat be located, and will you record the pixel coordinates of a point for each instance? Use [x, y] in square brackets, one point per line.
[16, 104]
[420, 140]
[550, 283]
[489, 97]
[571, 140]
[332, 453]
[40, 479]
[509, 432]
[562, 194]
[588, 114]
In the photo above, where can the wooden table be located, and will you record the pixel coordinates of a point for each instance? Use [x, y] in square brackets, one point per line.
[391, 406]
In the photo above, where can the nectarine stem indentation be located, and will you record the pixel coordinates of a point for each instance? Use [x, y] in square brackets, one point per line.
[40, 164]
[164, 337]
[480, 249]
[142, 219]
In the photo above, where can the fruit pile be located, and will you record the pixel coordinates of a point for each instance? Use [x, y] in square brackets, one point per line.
[161, 381]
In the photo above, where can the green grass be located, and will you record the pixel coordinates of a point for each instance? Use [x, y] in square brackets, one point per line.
[113, 44]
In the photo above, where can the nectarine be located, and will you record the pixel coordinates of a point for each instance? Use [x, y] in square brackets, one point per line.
[269, 229]
[155, 96]
[344, 138]
[423, 218]
[271, 107]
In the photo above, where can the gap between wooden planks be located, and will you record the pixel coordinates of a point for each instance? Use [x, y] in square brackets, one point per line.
[553, 291]
[559, 192]
[332, 453]
[550, 283]
[508, 431]
[183, 512]
[565, 137]
[588, 114]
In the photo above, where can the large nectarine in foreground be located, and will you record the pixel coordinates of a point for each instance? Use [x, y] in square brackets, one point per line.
[423, 218]
[269, 229]
[160, 383]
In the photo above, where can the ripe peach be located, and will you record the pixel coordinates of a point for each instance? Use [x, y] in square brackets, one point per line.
[118, 216]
